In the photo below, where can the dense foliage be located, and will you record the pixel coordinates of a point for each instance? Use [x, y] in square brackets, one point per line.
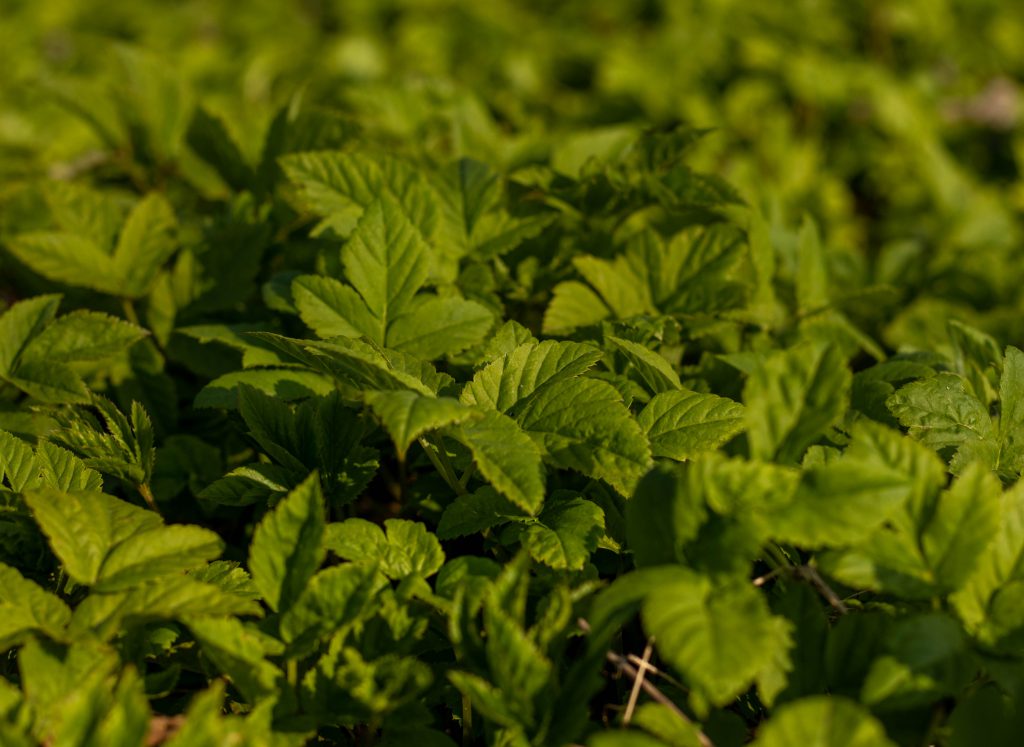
[621, 373]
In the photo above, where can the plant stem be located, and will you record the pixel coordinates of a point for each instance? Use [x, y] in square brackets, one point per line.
[129, 311]
[147, 494]
[467, 721]
[439, 458]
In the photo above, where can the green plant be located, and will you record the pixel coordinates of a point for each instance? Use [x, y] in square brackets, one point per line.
[424, 392]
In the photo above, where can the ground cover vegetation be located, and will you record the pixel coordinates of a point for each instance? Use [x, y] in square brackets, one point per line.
[418, 372]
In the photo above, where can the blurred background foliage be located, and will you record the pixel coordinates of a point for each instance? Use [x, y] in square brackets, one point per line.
[895, 124]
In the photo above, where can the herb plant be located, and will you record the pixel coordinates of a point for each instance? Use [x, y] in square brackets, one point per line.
[383, 373]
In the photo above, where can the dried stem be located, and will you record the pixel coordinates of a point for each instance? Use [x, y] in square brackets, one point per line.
[623, 665]
[642, 667]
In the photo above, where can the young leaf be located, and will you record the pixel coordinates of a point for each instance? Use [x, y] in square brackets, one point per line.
[20, 324]
[581, 424]
[566, 533]
[404, 547]
[407, 415]
[656, 372]
[792, 398]
[27, 607]
[682, 424]
[506, 457]
[83, 527]
[514, 377]
[720, 639]
[287, 546]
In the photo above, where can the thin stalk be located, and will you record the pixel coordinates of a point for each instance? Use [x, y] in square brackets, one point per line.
[147, 494]
[129, 311]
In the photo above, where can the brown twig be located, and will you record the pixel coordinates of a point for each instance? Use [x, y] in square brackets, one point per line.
[810, 573]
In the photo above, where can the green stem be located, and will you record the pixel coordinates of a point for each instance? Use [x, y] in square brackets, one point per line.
[292, 672]
[147, 494]
[439, 458]
[129, 311]
[467, 721]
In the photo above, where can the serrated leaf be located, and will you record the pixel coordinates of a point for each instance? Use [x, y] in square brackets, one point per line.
[83, 527]
[515, 376]
[154, 553]
[506, 457]
[581, 424]
[82, 336]
[285, 383]
[841, 503]
[573, 305]
[719, 639]
[433, 326]
[962, 526]
[408, 415]
[334, 598]
[566, 533]
[403, 548]
[147, 241]
[682, 424]
[20, 324]
[941, 413]
[474, 512]
[656, 372]
[25, 607]
[66, 258]
[238, 652]
[792, 398]
[386, 261]
[287, 546]
[331, 309]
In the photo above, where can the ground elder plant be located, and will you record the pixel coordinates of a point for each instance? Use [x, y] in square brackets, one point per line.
[391, 374]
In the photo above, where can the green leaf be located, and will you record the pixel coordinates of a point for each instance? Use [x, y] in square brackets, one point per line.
[581, 424]
[25, 607]
[239, 652]
[331, 309]
[506, 457]
[823, 721]
[941, 413]
[474, 512]
[82, 336]
[720, 639]
[793, 397]
[841, 503]
[175, 597]
[682, 424]
[334, 598]
[566, 533]
[83, 527]
[20, 324]
[656, 372]
[287, 546]
[408, 415]
[146, 242]
[515, 376]
[284, 383]
[155, 553]
[963, 524]
[404, 548]
[66, 258]
[1011, 413]
[926, 658]
[573, 305]
[432, 326]
[386, 261]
